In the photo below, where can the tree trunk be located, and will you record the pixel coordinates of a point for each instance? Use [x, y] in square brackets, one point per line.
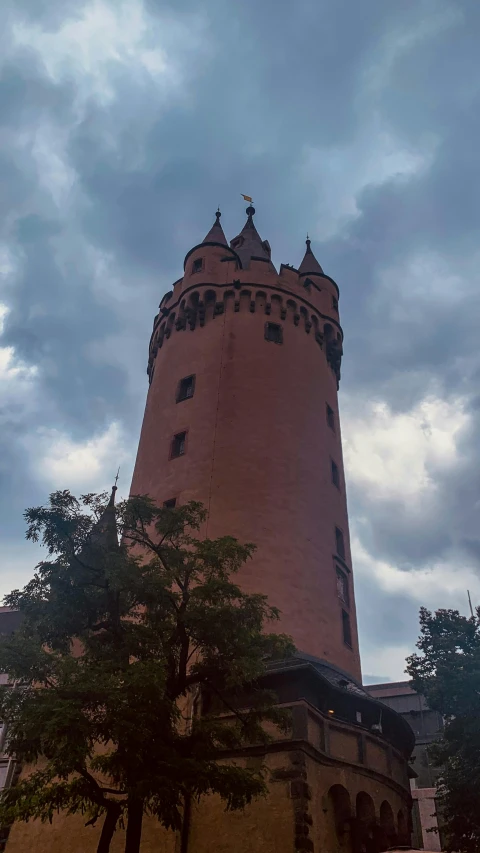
[109, 826]
[134, 825]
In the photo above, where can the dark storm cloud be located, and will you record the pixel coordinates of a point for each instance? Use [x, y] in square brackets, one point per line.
[99, 233]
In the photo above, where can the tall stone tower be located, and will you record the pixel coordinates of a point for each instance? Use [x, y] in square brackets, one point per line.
[242, 415]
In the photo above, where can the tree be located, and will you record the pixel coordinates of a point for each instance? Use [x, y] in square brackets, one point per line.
[447, 673]
[131, 624]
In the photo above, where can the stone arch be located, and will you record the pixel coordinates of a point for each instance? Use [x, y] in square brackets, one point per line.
[305, 317]
[181, 316]
[160, 335]
[245, 299]
[387, 825]
[339, 812]
[365, 824]
[193, 300]
[277, 305]
[403, 836]
[292, 306]
[229, 299]
[328, 332]
[318, 334]
[365, 807]
[260, 300]
[209, 299]
[170, 324]
[192, 308]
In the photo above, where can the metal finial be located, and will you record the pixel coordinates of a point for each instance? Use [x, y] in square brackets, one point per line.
[116, 478]
[218, 215]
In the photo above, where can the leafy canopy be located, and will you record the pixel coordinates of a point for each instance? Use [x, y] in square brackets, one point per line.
[447, 672]
[133, 628]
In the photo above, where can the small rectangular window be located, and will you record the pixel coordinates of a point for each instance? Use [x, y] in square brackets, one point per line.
[178, 444]
[334, 303]
[186, 387]
[335, 474]
[274, 333]
[330, 417]
[347, 630]
[170, 504]
[340, 543]
[197, 265]
[342, 587]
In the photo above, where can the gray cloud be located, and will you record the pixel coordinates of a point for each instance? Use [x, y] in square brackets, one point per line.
[358, 122]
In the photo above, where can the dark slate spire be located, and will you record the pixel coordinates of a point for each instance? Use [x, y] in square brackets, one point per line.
[216, 235]
[105, 534]
[309, 265]
[248, 244]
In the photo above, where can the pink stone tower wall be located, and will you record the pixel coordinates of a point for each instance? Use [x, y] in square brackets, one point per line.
[259, 444]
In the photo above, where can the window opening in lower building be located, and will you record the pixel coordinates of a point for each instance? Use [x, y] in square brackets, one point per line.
[273, 333]
[340, 543]
[347, 629]
[178, 444]
[186, 388]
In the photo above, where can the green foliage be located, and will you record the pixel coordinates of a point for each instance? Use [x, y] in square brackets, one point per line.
[131, 625]
[448, 674]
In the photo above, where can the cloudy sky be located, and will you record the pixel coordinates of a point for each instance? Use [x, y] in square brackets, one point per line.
[124, 123]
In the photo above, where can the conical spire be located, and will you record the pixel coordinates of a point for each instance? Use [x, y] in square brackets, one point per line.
[309, 265]
[248, 244]
[216, 235]
[105, 534]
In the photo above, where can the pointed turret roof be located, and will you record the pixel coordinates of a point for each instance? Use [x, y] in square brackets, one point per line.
[104, 533]
[216, 235]
[309, 265]
[248, 244]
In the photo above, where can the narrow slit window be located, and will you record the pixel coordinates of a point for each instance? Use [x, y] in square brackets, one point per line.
[170, 504]
[335, 474]
[273, 333]
[334, 303]
[347, 629]
[340, 543]
[186, 388]
[178, 444]
[342, 587]
[330, 417]
[197, 265]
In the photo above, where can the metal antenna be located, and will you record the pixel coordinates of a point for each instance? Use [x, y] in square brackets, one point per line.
[470, 603]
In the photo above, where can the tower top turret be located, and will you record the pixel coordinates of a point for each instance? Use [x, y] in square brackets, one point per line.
[309, 265]
[216, 233]
[248, 244]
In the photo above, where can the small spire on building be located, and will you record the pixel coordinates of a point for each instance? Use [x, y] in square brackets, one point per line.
[309, 265]
[250, 211]
[216, 235]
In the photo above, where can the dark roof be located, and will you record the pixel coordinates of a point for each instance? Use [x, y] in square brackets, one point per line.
[248, 244]
[309, 265]
[216, 234]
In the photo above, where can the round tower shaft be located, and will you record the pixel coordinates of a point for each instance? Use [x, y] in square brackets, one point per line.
[242, 415]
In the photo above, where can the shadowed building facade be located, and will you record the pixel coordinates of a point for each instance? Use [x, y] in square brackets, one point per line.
[242, 415]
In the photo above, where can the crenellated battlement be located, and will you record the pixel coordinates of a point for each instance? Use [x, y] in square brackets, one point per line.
[199, 304]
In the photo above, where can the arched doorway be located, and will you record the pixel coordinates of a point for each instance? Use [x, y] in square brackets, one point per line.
[366, 835]
[339, 809]
[387, 826]
[403, 835]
